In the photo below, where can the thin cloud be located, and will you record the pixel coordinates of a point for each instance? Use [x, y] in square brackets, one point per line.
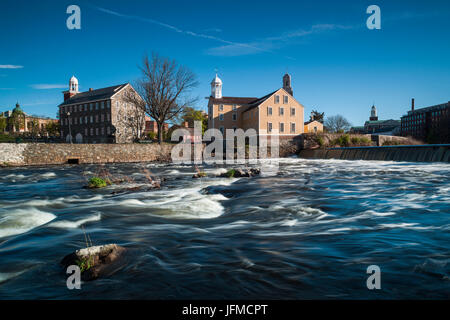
[186, 32]
[10, 66]
[6, 88]
[275, 42]
[48, 86]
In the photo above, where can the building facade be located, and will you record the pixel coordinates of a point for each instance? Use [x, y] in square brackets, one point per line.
[376, 126]
[100, 116]
[430, 124]
[26, 123]
[313, 127]
[277, 113]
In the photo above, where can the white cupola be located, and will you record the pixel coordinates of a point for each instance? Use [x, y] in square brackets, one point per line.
[216, 88]
[73, 85]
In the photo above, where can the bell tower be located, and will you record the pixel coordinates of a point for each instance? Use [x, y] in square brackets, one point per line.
[373, 114]
[216, 88]
[73, 88]
[287, 84]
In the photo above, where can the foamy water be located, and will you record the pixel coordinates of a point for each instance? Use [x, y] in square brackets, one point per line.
[304, 229]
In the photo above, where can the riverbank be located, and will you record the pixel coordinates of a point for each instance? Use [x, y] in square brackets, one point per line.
[25, 154]
[416, 153]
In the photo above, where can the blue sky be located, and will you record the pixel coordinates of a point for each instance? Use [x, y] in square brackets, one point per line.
[337, 65]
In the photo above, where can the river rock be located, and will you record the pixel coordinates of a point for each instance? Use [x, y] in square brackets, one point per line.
[96, 261]
[240, 173]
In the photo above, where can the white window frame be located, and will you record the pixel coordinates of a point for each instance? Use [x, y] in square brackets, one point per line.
[281, 111]
[293, 131]
[281, 124]
[269, 111]
[292, 111]
[269, 127]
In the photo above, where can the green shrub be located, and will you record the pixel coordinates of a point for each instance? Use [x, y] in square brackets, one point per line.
[355, 140]
[320, 141]
[96, 182]
[152, 135]
[230, 173]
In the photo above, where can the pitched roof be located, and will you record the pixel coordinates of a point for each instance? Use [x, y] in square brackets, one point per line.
[233, 100]
[311, 121]
[256, 103]
[98, 94]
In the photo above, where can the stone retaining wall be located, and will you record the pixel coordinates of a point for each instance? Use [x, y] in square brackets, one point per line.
[62, 153]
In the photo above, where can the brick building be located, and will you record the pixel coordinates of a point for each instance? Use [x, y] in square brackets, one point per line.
[430, 124]
[100, 116]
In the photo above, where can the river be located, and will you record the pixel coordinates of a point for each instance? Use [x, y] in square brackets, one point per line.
[305, 230]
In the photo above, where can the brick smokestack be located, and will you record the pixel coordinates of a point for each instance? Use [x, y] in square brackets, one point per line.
[412, 104]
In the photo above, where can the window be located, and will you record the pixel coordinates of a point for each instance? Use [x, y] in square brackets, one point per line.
[96, 131]
[96, 106]
[221, 107]
[281, 127]
[96, 118]
[285, 99]
[91, 106]
[92, 119]
[85, 131]
[277, 99]
[234, 107]
[92, 131]
[269, 111]
[76, 120]
[85, 107]
[102, 117]
[85, 119]
[292, 111]
[102, 104]
[221, 117]
[292, 127]
[108, 104]
[234, 116]
[269, 126]
[81, 120]
[103, 131]
[108, 130]
[108, 117]
[281, 111]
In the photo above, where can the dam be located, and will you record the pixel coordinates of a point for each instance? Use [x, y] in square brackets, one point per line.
[410, 153]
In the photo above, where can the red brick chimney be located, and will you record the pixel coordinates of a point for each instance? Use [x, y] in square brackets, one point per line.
[68, 95]
[412, 104]
[90, 89]
[186, 124]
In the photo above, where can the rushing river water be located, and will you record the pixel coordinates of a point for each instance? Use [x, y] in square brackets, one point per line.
[307, 230]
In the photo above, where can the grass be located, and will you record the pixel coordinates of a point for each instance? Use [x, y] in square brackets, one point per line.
[96, 182]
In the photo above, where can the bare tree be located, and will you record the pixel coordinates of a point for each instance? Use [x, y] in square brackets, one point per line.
[135, 113]
[165, 87]
[337, 123]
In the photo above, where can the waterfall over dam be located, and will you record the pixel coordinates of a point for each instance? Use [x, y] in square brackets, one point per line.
[411, 153]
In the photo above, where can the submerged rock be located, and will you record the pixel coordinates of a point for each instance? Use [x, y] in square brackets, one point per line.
[96, 261]
[239, 173]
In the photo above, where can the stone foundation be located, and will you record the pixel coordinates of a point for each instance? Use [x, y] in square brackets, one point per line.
[49, 153]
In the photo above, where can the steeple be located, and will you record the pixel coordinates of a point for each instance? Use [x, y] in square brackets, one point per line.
[373, 114]
[287, 84]
[216, 88]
